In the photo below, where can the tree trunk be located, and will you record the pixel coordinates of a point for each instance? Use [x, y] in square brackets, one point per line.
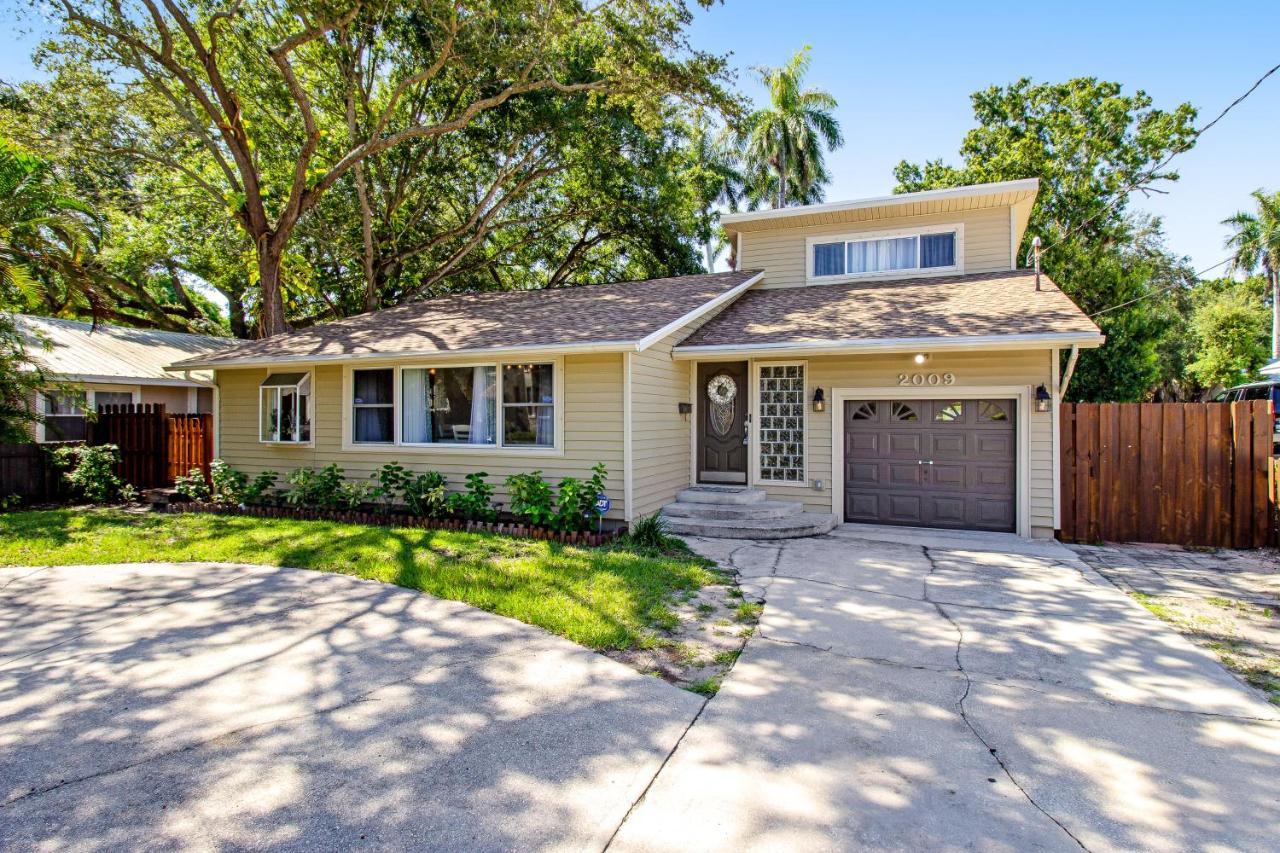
[235, 313]
[782, 175]
[272, 310]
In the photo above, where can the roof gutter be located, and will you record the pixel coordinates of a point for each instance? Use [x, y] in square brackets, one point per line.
[891, 345]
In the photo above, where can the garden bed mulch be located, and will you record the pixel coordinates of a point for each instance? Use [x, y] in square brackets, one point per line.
[394, 519]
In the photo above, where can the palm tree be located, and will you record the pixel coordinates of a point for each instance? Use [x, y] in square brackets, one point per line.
[717, 181]
[1256, 243]
[784, 142]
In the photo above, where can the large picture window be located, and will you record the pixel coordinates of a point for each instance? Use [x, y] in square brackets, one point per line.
[906, 253]
[285, 408]
[448, 405]
[484, 405]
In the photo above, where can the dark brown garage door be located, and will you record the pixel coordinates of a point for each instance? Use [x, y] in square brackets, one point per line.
[930, 463]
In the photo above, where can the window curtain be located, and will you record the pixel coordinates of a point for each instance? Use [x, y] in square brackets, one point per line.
[828, 259]
[416, 427]
[546, 426]
[938, 250]
[483, 428]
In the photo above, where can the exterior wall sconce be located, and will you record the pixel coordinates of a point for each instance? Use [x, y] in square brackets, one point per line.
[819, 400]
[1043, 400]
[920, 358]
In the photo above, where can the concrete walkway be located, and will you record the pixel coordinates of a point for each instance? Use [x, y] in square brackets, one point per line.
[215, 706]
[914, 690]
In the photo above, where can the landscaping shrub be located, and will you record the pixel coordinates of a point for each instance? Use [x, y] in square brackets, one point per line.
[392, 479]
[256, 491]
[92, 472]
[228, 484]
[309, 488]
[576, 500]
[476, 503]
[650, 532]
[531, 499]
[424, 494]
[193, 486]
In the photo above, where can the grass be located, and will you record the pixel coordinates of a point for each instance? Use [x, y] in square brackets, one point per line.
[602, 598]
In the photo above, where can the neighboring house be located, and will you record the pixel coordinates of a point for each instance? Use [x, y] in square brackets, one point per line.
[873, 361]
[109, 365]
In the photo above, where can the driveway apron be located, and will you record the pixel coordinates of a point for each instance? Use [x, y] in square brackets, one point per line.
[921, 690]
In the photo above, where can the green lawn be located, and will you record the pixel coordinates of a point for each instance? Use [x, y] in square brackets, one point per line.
[603, 598]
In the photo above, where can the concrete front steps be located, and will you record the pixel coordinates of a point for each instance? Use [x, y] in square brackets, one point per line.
[734, 512]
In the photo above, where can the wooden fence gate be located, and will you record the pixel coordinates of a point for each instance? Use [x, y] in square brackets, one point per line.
[1180, 473]
[154, 446]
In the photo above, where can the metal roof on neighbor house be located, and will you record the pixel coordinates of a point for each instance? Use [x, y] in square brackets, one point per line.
[605, 317]
[113, 353]
[959, 308]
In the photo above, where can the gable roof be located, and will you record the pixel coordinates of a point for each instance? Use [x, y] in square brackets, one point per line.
[80, 352]
[959, 309]
[602, 318]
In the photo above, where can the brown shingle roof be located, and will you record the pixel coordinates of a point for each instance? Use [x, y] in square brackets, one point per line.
[1003, 303]
[611, 314]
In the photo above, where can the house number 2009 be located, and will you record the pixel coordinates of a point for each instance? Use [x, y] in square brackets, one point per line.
[926, 379]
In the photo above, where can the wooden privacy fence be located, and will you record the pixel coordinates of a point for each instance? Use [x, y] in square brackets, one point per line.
[1180, 473]
[154, 447]
[27, 471]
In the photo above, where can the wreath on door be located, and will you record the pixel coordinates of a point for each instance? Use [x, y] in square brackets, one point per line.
[721, 393]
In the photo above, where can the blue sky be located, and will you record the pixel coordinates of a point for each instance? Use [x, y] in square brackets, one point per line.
[903, 76]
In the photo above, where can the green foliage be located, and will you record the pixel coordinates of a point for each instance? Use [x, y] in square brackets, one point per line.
[260, 488]
[576, 501]
[425, 494]
[1091, 145]
[192, 486]
[531, 499]
[1230, 330]
[1255, 242]
[91, 472]
[476, 503]
[228, 486]
[322, 489]
[391, 479]
[651, 532]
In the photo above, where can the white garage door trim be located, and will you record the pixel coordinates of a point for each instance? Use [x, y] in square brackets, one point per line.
[1021, 394]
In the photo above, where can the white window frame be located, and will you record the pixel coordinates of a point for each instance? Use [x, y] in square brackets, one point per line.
[757, 444]
[90, 401]
[497, 448]
[912, 272]
[351, 405]
[310, 442]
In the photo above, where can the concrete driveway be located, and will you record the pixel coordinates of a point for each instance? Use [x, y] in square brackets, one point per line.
[925, 691]
[214, 706]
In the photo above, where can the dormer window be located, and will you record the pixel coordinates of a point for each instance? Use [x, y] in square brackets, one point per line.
[886, 254]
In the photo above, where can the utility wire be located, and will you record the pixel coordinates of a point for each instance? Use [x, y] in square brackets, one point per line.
[1160, 290]
[1134, 185]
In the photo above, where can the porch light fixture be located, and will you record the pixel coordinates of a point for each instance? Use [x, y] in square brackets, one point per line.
[920, 358]
[1043, 400]
[819, 400]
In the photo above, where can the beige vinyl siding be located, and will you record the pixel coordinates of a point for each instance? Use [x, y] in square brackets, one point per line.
[592, 432]
[881, 372]
[660, 435]
[781, 251]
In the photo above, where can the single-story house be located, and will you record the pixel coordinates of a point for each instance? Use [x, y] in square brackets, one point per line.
[882, 360]
[90, 366]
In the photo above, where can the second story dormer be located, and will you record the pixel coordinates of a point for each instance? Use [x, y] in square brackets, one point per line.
[972, 229]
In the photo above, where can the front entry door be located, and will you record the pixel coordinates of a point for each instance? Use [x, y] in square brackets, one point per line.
[722, 423]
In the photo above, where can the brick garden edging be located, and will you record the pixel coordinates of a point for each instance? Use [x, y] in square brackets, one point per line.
[378, 519]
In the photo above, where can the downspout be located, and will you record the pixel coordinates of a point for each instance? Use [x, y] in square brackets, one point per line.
[1071, 368]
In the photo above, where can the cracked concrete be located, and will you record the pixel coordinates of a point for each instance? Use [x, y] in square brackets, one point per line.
[213, 706]
[913, 690]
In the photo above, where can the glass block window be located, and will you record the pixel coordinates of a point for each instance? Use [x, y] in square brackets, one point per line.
[781, 427]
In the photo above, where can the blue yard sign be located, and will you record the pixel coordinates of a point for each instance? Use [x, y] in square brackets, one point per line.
[603, 504]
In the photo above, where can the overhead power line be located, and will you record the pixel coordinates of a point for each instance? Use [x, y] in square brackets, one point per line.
[1136, 183]
[1158, 291]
